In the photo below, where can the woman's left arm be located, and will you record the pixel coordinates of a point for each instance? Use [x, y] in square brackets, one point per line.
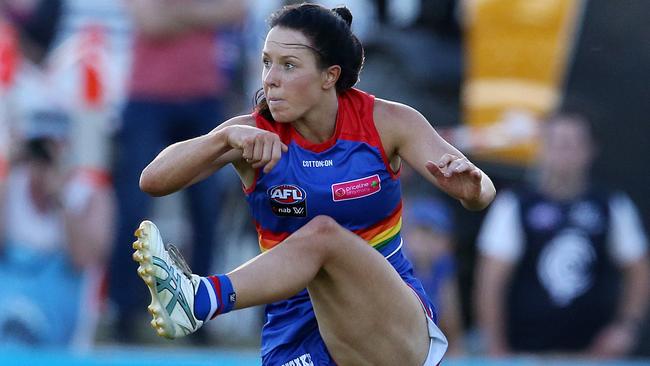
[406, 134]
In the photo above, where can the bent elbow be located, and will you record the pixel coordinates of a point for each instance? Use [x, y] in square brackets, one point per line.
[148, 184]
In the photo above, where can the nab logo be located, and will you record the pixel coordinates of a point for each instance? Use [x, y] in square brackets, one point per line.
[287, 194]
[288, 200]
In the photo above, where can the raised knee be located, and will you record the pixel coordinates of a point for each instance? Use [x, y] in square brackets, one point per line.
[322, 225]
[324, 236]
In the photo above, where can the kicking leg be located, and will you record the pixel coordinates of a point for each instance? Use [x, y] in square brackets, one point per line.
[366, 314]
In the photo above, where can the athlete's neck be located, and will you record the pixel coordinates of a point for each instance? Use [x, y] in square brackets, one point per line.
[319, 123]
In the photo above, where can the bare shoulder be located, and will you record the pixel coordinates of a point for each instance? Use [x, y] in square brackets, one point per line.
[394, 115]
[395, 121]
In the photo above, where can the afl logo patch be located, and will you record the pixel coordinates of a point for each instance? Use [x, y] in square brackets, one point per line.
[288, 200]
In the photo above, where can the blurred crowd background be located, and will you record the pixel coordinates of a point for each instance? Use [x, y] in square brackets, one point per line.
[551, 98]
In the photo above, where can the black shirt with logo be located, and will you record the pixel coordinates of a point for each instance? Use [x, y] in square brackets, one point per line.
[565, 288]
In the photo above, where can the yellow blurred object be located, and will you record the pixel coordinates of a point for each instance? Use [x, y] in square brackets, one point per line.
[517, 53]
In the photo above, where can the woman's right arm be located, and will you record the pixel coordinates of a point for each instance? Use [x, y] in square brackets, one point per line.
[187, 162]
[235, 141]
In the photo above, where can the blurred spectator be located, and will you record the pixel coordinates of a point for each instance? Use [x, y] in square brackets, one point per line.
[36, 21]
[53, 252]
[563, 264]
[4, 167]
[56, 221]
[43, 198]
[429, 242]
[26, 39]
[174, 94]
[8, 56]
[89, 65]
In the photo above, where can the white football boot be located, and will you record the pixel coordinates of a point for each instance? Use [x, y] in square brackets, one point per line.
[170, 281]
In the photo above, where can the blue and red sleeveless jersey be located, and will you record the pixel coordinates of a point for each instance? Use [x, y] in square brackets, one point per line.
[348, 178]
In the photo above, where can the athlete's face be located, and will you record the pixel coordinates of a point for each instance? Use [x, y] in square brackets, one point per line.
[293, 82]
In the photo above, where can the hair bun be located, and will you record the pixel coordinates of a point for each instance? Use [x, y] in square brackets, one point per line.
[344, 13]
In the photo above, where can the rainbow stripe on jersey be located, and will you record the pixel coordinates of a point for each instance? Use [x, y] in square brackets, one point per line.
[378, 235]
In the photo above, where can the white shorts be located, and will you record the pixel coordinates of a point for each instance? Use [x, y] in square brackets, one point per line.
[438, 344]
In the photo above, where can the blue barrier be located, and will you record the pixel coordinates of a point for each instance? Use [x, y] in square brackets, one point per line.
[147, 356]
[135, 356]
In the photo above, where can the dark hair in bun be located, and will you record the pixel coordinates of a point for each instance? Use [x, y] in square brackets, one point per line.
[331, 38]
[344, 13]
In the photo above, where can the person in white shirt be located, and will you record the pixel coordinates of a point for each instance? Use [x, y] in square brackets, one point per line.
[563, 264]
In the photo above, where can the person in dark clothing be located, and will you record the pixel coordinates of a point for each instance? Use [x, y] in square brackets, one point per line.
[563, 264]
